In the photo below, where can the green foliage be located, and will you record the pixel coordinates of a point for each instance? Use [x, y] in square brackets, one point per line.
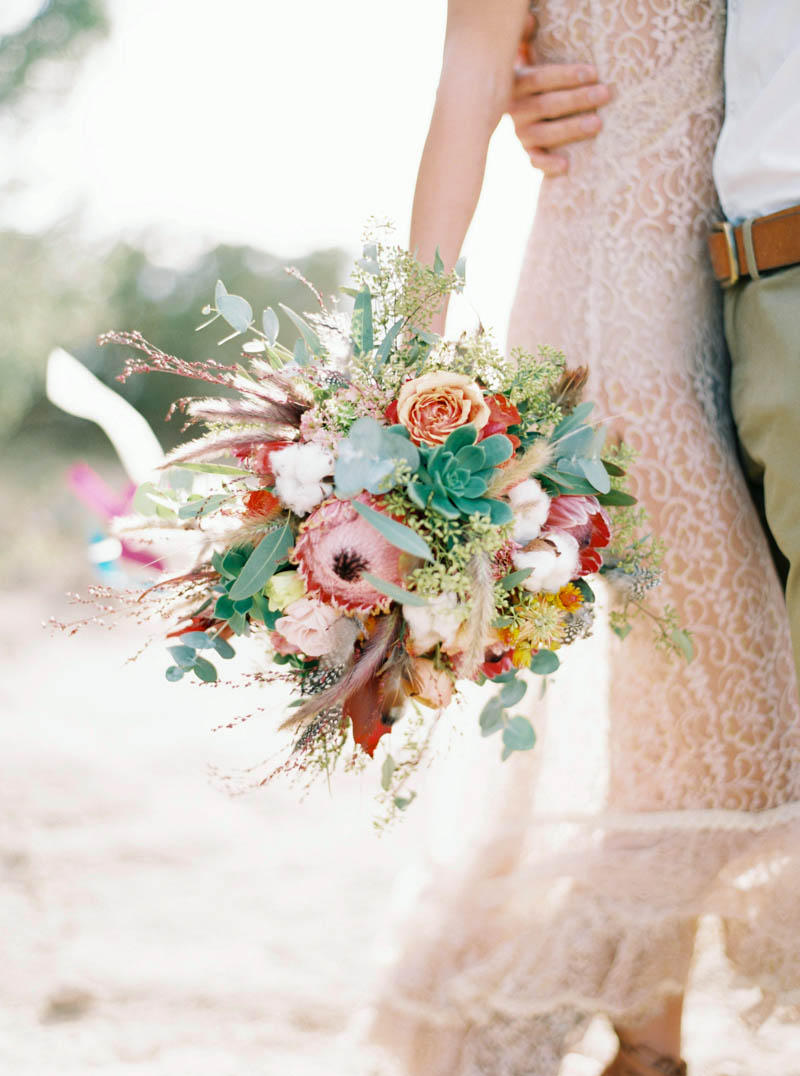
[188, 660]
[518, 734]
[391, 590]
[544, 662]
[261, 565]
[397, 534]
[400, 286]
[239, 611]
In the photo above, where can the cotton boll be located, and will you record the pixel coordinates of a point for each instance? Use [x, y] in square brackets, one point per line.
[299, 471]
[553, 563]
[531, 506]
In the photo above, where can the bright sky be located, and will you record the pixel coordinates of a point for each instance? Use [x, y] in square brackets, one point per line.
[282, 124]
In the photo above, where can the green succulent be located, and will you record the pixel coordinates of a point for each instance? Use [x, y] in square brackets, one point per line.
[452, 478]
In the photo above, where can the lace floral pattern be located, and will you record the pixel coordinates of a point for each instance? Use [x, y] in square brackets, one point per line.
[585, 898]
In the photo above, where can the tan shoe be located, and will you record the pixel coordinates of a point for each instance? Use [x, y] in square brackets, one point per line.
[642, 1061]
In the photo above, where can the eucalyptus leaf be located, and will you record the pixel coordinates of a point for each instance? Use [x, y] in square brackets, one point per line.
[219, 292]
[595, 472]
[301, 355]
[544, 662]
[512, 692]
[236, 311]
[622, 630]
[271, 551]
[518, 735]
[223, 647]
[310, 338]
[438, 264]
[174, 673]
[204, 671]
[504, 678]
[398, 594]
[398, 534]
[270, 325]
[185, 656]
[461, 269]
[401, 802]
[577, 417]
[579, 442]
[198, 639]
[491, 718]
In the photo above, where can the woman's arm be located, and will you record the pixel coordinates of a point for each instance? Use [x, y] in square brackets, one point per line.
[475, 88]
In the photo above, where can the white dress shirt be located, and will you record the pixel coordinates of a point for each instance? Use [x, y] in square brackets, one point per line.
[757, 162]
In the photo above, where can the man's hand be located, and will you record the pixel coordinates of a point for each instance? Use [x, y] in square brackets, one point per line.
[553, 105]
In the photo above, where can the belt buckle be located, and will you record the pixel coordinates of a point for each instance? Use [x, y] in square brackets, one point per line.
[726, 228]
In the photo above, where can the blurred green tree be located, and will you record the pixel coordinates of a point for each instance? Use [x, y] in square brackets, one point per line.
[57, 292]
[61, 29]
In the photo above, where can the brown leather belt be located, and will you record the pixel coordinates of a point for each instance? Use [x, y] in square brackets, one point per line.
[755, 247]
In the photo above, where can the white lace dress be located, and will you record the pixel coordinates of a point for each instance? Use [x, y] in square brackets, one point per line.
[605, 847]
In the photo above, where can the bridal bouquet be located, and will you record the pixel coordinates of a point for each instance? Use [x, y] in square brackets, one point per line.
[397, 514]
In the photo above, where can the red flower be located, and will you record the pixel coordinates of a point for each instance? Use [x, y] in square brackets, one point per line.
[496, 666]
[390, 414]
[262, 503]
[502, 414]
[588, 523]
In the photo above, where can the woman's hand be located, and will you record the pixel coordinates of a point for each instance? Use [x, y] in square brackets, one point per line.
[553, 105]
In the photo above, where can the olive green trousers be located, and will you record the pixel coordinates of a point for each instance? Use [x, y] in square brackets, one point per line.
[762, 327]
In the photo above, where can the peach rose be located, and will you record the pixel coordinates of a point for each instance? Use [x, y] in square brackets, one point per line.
[431, 686]
[432, 406]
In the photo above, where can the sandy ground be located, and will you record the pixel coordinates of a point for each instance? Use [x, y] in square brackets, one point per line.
[151, 924]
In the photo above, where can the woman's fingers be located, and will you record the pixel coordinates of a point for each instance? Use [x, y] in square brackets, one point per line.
[554, 104]
[550, 133]
[552, 164]
[542, 78]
